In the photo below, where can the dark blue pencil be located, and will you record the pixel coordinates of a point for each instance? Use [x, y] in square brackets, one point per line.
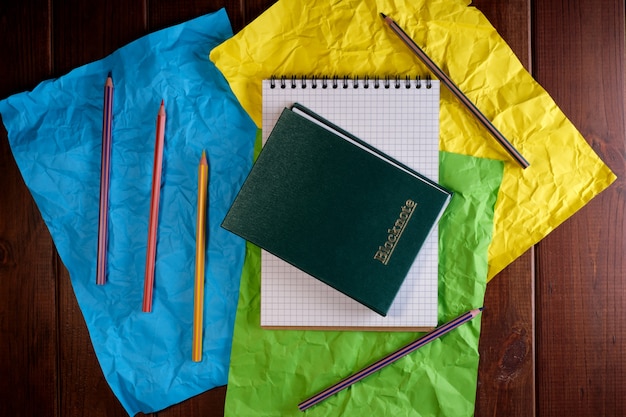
[376, 366]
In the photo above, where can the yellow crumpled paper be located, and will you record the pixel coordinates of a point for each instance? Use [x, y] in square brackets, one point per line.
[321, 37]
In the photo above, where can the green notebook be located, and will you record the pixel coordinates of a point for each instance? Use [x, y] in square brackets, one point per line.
[336, 208]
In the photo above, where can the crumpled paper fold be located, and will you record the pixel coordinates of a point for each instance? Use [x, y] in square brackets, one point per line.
[55, 135]
[274, 370]
[348, 37]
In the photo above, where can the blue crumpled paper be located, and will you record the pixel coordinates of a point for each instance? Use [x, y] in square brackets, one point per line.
[55, 135]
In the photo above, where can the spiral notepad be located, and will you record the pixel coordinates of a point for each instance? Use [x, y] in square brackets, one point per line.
[400, 117]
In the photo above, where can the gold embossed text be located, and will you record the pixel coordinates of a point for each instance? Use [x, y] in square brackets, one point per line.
[384, 252]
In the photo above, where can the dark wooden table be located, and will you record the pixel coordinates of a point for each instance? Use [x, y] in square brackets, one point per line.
[555, 320]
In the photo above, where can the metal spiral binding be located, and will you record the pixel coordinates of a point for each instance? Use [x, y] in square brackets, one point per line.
[346, 82]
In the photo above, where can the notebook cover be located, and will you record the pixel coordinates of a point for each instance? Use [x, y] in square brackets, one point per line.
[336, 211]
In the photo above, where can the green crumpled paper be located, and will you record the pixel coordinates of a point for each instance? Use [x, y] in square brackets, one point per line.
[273, 370]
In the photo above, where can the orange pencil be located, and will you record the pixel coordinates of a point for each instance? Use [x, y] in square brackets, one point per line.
[198, 299]
[105, 167]
[148, 285]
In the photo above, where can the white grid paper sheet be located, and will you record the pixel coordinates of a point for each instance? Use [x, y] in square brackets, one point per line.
[401, 122]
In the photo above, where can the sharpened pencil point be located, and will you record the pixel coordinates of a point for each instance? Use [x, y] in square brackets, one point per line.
[198, 298]
[155, 195]
[445, 79]
[162, 109]
[110, 75]
[387, 360]
[383, 15]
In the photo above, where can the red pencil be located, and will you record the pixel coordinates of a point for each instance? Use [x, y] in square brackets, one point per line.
[148, 285]
[105, 167]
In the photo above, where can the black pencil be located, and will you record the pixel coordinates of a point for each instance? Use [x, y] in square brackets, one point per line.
[389, 359]
[443, 77]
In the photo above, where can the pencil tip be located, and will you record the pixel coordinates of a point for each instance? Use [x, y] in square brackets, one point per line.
[161, 111]
[110, 75]
[383, 15]
[481, 308]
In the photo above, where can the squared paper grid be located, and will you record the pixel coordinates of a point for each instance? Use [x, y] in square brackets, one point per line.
[401, 122]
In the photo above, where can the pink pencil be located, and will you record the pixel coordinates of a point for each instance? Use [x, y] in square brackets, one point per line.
[148, 285]
[105, 168]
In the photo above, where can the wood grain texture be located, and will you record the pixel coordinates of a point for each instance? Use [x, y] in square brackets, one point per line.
[581, 313]
[25, 33]
[85, 31]
[554, 319]
[506, 374]
[28, 297]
